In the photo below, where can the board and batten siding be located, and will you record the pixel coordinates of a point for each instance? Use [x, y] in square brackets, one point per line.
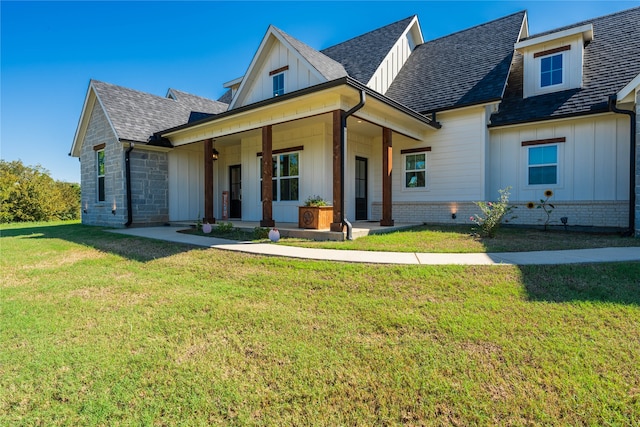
[455, 164]
[391, 65]
[186, 183]
[297, 76]
[593, 162]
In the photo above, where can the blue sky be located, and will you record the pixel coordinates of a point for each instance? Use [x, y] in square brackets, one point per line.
[50, 50]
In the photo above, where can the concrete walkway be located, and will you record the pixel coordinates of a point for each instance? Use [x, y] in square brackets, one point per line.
[575, 256]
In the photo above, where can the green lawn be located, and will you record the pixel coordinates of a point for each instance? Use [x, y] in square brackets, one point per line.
[104, 329]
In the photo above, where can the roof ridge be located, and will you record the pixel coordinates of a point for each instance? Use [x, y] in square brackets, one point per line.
[476, 26]
[578, 24]
[131, 90]
[368, 32]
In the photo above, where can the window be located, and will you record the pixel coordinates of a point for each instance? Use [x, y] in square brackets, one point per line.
[100, 175]
[551, 70]
[543, 165]
[415, 170]
[286, 176]
[278, 84]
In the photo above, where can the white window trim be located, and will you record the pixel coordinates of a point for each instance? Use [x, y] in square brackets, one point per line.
[276, 180]
[426, 172]
[284, 83]
[558, 164]
[103, 176]
[557, 87]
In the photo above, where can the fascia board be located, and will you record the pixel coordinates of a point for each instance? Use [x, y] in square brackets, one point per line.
[83, 121]
[632, 87]
[585, 30]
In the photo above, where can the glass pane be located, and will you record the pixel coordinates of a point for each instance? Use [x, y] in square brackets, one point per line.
[543, 175]
[289, 189]
[421, 179]
[420, 161]
[293, 165]
[550, 154]
[545, 65]
[274, 167]
[100, 162]
[410, 162]
[545, 79]
[535, 156]
[556, 77]
[101, 197]
[556, 62]
[274, 190]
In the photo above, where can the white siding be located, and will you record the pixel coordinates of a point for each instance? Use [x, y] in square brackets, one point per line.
[298, 76]
[593, 162]
[186, 184]
[391, 65]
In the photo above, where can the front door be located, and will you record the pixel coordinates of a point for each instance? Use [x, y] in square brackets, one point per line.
[235, 191]
[361, 189]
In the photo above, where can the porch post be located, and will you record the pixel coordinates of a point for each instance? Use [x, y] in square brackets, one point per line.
[387, 167]
[267, 177]
[208, 181]
[336, 225]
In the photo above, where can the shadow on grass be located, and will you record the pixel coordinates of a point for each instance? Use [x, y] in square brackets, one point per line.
[131, 247]
[617, 283]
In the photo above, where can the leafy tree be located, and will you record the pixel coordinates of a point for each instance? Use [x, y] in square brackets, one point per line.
[28, 193]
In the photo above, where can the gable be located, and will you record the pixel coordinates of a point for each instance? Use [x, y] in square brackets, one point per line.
[279, 53]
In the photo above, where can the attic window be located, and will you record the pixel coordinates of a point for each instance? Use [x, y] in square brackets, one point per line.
[278, 80]
[551, 70]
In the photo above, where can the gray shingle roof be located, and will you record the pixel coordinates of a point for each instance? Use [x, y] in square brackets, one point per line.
[362, 55]
[329, 68]
[611, 61]
[465, 68]
[137, 115]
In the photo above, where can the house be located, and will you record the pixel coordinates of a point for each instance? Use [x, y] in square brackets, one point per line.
[386, 126]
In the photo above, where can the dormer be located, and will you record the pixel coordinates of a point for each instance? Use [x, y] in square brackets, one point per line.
[553, 62]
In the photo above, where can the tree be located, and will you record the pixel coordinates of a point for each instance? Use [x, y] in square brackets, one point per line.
[28, 193]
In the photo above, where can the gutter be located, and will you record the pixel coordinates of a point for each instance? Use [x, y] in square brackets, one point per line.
[343, 149]
[127, 169]
[632, 161]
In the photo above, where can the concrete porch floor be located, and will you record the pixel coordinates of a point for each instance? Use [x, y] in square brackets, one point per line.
[290, 229]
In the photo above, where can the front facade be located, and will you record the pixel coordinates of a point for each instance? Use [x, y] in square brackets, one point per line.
[386, 127]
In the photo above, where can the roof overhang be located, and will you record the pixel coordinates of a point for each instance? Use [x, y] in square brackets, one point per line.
[85, 116]
[339, 94]
[627, 93]
[585, 30]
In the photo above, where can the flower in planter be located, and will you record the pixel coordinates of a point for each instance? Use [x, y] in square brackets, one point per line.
[315, 201]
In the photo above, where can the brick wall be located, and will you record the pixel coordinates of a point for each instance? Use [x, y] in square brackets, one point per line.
[596, 214]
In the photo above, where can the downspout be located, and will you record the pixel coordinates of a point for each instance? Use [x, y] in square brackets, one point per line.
[632, 161]
[127, 171]
[343, 145]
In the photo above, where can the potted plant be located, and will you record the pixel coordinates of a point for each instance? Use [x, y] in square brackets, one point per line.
[315, 214]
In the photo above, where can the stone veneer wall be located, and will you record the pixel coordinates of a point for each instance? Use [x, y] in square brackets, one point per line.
[94, 212]
[149, 187]
[149, 179]
[637, 213]
[595, 214]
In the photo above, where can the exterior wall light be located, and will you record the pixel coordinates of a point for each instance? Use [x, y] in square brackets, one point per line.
[454, 215]
[214, 154]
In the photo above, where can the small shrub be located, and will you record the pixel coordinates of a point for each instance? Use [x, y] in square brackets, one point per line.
[493, 214]
[260, 233]
[224, 228]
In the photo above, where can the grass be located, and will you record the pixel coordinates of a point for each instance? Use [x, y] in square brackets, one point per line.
[103, 329]
[461, 239]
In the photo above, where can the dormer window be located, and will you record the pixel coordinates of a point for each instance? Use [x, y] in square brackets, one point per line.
[551, 70]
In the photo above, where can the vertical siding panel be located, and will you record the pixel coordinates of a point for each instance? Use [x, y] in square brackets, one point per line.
[583, 161]
[605, 154]
[621, 170]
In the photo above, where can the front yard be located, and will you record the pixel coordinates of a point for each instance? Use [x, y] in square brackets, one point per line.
[104, 329]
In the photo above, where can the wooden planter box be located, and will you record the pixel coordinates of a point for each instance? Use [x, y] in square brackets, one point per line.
[315, 217]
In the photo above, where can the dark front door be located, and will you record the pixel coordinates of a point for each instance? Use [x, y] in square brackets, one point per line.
[235, 190]
[361, 189]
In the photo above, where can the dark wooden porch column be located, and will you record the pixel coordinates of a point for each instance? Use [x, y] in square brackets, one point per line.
[267, 178]
[208, 181]
[336, 225]
[387, 168]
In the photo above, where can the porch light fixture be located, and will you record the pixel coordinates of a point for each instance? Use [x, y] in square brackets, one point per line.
[214, 152]
[113, 208]
[564, 221]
